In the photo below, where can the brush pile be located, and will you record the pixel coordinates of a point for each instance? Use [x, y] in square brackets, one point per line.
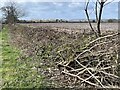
[97, 65]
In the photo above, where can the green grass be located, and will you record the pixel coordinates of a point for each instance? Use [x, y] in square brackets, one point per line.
[16, 72]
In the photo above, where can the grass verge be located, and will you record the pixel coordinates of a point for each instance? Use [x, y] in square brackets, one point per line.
[16, 72]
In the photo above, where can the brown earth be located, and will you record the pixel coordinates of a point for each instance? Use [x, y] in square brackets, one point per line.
[76, 27]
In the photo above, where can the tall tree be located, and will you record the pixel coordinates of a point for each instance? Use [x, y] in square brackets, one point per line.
[11, 12]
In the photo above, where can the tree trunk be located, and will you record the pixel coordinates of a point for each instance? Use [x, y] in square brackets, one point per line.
[99, 19]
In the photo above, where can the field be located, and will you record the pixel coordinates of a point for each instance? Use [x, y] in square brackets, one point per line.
[54, 55]
[77, 26]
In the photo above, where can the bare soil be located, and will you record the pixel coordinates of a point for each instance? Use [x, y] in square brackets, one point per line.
[76, 27]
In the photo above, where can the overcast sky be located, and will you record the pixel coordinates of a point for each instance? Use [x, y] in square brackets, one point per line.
[36, 9]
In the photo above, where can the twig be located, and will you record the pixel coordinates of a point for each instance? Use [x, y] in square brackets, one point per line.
[89, 72]
[109, 74]
[88, 78]
[89, 50]
[81, 79]
[101, 38]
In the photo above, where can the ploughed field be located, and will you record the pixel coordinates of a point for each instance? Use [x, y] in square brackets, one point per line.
[76, 27]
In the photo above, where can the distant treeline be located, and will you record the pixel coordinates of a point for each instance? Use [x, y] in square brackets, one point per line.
[65, 21]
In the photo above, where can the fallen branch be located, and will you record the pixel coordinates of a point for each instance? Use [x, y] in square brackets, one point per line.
[96, 64]
[81, 79]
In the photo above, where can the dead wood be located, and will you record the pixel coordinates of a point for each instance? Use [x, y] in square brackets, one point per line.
[97, 64]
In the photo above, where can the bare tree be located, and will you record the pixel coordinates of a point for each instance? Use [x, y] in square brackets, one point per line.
[86, 11]
[99, 5]
[11, 12]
